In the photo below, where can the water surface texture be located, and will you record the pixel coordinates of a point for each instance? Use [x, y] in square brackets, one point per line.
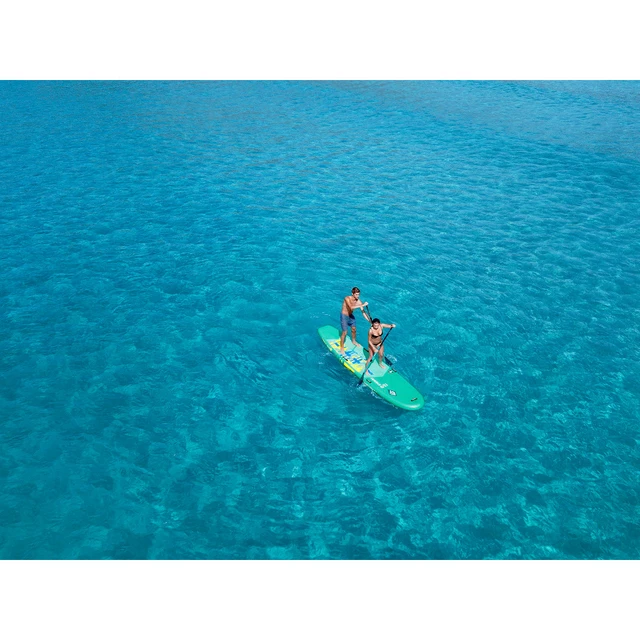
[168, 251]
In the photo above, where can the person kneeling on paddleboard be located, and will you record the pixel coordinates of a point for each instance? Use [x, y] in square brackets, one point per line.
[375, 341]
[347, 319]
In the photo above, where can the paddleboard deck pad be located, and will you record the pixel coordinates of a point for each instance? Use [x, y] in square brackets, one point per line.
[385, 382]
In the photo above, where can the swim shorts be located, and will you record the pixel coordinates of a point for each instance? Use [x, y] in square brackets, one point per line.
[347, 321]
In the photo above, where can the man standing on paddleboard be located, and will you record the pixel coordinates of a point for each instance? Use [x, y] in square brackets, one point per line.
[347, 319]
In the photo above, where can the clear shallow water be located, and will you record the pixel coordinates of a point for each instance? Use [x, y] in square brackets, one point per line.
[168, 250]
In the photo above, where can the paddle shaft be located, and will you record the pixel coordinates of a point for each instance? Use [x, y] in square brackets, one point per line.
[372, 356]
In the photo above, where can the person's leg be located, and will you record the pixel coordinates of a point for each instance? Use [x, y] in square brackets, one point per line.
[353, 335]
[381, 357]
[343, 335]
[352, 323]
[372, 354]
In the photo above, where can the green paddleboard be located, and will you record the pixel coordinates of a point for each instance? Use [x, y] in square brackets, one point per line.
[387, 383]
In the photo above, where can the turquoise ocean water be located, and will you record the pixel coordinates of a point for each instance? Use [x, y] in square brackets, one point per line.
[168, 251]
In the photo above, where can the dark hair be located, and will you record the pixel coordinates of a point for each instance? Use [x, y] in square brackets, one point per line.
[355, 290]
[375, 320]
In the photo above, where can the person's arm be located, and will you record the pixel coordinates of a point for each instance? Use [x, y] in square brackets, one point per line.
[387, 326]
[361, 306]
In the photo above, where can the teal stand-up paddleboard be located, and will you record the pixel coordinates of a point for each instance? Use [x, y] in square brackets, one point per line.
[387, 383]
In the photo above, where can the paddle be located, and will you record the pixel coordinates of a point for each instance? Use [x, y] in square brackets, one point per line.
[373, 356]
[367, 313]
